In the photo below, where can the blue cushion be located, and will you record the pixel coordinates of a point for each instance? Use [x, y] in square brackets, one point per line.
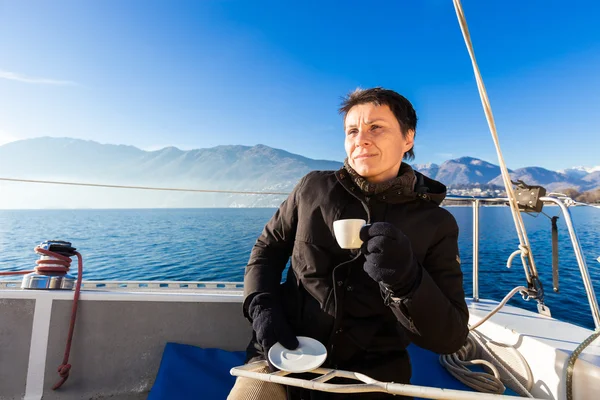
[427, 370]
[189, 372]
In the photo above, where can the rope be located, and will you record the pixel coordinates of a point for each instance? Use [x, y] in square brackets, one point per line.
[59, 266]
[65, 367]
[574, 356]
[457, 363]
[518, 289]
[517, 385]
[139, 187]
[519, 225]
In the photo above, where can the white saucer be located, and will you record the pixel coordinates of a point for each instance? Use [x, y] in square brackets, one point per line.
[309, 355]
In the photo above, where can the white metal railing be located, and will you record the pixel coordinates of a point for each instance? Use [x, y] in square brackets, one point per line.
[585, 275]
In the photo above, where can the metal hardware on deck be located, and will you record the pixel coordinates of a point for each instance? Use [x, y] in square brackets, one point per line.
[10, 284]
[52, 267]
[163, 285]
[154, 286]
[529, 197]
[36, 281]
[544, 310]
[138, 286]
[476, 250]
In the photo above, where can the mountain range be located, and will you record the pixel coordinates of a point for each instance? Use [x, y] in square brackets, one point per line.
[240, 168]
[473, 171]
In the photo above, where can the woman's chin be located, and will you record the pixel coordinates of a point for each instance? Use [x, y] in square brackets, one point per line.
[363, 167]
[366, 172]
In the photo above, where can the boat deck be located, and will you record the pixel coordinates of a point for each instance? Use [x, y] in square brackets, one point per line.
[121, 333]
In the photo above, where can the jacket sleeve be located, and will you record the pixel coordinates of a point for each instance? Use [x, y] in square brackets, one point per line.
[435, 315]
[272, 250]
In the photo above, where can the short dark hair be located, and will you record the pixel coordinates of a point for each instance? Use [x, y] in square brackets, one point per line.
[402, 108]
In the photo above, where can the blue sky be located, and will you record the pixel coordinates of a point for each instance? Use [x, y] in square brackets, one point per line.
[205, 73]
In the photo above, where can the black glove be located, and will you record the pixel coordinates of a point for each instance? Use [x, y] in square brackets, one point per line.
[389, 257]
[270, 324]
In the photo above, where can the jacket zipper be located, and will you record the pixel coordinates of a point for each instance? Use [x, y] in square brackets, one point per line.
[336, 325]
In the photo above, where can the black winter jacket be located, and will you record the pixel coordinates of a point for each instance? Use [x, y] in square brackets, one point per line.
[328, 296]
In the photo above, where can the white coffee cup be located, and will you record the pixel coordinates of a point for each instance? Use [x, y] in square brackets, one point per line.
[347, 232]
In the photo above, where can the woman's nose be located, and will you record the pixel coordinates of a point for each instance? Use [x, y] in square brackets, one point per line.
[363, 138]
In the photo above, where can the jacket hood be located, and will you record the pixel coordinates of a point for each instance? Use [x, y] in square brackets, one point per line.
[430, 188]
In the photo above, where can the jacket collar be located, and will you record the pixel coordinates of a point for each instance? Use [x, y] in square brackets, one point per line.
[403, 189]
